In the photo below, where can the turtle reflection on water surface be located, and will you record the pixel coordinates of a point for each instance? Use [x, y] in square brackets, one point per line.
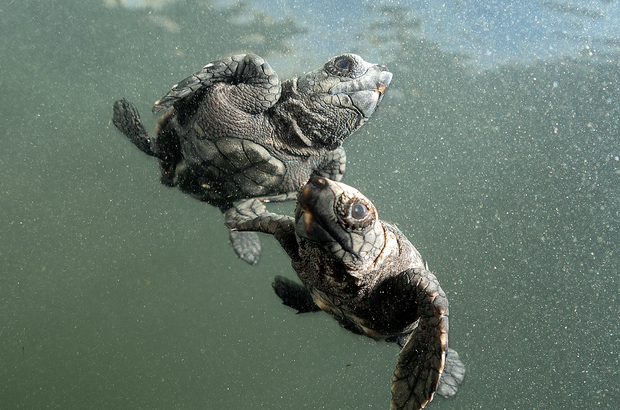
[233, 131]
[365, 273]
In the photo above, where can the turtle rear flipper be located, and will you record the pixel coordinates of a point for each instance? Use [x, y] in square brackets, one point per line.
[127, 120]
[452, 376]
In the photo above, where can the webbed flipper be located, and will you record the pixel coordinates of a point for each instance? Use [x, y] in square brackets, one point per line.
[252, 215]
[127, 120]
[452, 376]
[334, 165]
[423, 358]
[246, 245]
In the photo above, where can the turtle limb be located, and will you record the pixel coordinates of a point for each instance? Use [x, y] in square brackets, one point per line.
[452, 376]
[294, 295]
[252, 216]
[453, 372]
[422, 360]
[289, 196]
[127, 120]
[255, 87]
[334, 165]
[246, 245]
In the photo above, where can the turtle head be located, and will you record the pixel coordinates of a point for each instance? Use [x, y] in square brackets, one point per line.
[339, 97]
[340, 220]
[350, 82]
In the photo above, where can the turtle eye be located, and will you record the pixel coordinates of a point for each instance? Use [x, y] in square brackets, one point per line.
[342, 63]
[358, 210]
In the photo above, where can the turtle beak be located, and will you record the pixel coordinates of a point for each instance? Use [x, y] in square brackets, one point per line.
[385, 77]
[367, 99]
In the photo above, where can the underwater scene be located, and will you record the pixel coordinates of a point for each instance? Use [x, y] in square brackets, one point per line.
[495, 150]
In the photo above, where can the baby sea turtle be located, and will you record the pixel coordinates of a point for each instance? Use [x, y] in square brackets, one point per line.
[365, 273]
[233, 131]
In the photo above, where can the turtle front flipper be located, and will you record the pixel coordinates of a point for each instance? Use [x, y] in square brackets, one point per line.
[334, 165]
[255, 87]
[127, 120]
[246, 245]
[423, 358]
[294, 295]
[252, 216]
[452, 376]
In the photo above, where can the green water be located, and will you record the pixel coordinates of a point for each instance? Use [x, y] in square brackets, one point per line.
[119, 293]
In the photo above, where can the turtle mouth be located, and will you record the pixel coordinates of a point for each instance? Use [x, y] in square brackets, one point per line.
[383, 83]
[381, 89]
[366, 92]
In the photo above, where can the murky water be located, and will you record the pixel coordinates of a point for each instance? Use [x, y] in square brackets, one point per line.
[117, 292]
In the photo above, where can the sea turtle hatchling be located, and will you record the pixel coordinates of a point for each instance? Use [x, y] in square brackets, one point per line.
[233, 131]
[365, 273]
